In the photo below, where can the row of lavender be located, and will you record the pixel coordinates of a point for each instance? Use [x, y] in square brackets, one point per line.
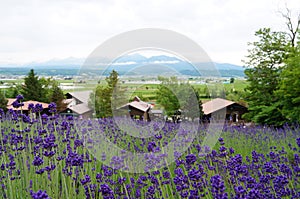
[49, 157]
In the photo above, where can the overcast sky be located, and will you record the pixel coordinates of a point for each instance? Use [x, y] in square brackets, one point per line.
[34, 30]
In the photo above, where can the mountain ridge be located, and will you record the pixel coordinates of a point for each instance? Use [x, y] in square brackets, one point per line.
[129, 63]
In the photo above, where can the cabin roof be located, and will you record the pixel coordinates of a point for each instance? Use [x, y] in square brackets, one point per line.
[215, 105]
[80, 108]
[26, 104]
[138, 104]
[82, 96]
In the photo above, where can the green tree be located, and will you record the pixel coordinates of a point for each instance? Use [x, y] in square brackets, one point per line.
[174, 96]
[112, 79]
[13, 91]
[47, 89]
[166, 94]
[3, 101]
[289, 89]
[102, 101]
[206, 93]
[265, 62]
[57, 96]
[192, 105]
[33, 89]
[272, 64]
[103, 96]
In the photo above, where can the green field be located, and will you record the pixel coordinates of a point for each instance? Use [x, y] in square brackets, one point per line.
[145, 91]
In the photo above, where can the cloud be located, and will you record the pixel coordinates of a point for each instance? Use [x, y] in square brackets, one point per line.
[40, 30]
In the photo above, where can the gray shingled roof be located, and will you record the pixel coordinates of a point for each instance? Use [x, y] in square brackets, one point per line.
[82, 96]
[80, 108]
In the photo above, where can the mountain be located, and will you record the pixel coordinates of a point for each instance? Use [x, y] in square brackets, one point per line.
[136, 64]
[226, 66]
[56, 63]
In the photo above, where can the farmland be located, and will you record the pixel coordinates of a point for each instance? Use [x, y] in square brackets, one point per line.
[145, 89]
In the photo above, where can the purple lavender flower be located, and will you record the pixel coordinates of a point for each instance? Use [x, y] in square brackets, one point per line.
[218, 187]
[298, 141]
[17, 104]
[138, 193]
[1, 112]
[221, 140]
[105, 190]
[30, 106]
[19, 97]
[222, 149]
[151, 146]
[87, 179]
[166, 174]
[38, 107]
[41, 171]
[190, 159]
[194, 174]
[39, 194]
[240, 192]
[254, 194]
[52, 107]
[26, 119]
[150, 191]
[38, 161]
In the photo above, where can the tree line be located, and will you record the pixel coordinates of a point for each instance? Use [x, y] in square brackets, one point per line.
[36, 89]
[171, 94]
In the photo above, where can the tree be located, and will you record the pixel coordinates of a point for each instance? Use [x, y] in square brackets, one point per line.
[166, 94]
[13, 91]
[3, 101]
[293, 29]
[57, 96]
[289, 89]
[272, 64]
[231, 80]
[174, 96]
[106, 96]
[206, 93]
[33, 89]
[112, 79]
[193, 104]
[265, 62]
[102, 101]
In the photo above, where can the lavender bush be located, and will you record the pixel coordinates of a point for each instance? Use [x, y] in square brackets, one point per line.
[46, 156]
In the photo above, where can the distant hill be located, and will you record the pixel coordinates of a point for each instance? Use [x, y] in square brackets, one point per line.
[133, 64]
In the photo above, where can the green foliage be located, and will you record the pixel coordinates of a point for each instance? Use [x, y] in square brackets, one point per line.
[13, 91]
[33, 88]
[102, 103]
[173, 96]
[3, 101]
[270, 115]
[205, 92]
[192, 104]
[166, 94]
[236, 96]
[56, 95]
[38, 89]
[107, 97]
[289, 89]
[265, 62]
[112, 79]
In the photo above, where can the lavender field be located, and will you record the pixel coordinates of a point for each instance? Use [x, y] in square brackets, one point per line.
[46, 156]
